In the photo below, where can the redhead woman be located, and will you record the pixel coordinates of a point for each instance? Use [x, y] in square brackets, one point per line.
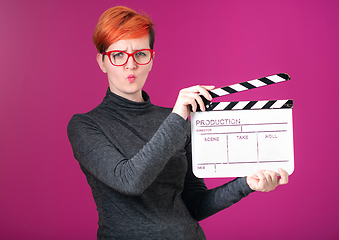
[137, 156]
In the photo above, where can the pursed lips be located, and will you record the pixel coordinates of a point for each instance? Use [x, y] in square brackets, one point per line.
[131, 78]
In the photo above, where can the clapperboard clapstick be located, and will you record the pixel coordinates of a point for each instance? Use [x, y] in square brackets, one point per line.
[243, 86]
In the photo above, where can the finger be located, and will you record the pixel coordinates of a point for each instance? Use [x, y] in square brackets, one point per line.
[269, 185]
[268, 177]
[192, 99]
[253, 181]
[273, 176]
[193, 96]
[275, 179]
[209, 87]
[196, 99]
[261, 175]
[255, 176]
[188, 100]
[204, 91]
[262, 182]
[201, 103]
[193, 104]
[204, 95]
[283, 177]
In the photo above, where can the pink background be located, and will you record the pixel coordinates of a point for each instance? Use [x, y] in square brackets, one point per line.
[48, 72]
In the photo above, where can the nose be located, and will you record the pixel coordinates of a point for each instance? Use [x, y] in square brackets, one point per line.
[131, 64]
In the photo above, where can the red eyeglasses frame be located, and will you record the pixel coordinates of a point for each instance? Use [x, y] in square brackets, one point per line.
[108, 54]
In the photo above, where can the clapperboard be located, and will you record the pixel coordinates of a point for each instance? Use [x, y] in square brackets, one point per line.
[233, 139]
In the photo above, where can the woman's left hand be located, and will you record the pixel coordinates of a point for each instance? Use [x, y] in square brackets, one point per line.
[189, 97]
[266, 180]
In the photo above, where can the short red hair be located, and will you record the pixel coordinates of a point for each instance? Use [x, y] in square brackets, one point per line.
[121, 23]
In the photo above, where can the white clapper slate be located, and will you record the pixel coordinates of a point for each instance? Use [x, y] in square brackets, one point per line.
[234, 139]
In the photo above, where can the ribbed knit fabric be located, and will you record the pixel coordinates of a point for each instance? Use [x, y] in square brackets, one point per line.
[137, 159]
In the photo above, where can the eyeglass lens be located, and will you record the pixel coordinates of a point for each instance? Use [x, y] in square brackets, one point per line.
[140, 57]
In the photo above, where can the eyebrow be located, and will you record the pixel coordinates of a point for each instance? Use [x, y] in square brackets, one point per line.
[126, 50]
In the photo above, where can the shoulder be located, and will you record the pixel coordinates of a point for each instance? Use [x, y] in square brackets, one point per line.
[86, 117]
[79, 121]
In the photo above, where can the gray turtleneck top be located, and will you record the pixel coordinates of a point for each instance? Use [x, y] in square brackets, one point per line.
[137, 159]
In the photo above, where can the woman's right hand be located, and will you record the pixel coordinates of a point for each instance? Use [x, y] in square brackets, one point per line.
[190, 97]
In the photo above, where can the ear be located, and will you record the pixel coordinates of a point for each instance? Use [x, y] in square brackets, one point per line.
[101, 62]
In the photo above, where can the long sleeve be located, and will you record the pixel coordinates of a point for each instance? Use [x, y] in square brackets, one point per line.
[203, 202]
[98, 155]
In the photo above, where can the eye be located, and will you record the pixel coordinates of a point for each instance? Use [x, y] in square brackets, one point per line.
[116, 55]
[140, 54]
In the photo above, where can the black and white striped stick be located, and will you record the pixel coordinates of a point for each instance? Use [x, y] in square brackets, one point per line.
[244, 105]
[239, 87]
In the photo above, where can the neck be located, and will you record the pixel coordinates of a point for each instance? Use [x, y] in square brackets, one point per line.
[135, 97]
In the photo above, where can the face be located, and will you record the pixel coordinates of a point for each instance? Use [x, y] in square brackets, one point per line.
[128, 80]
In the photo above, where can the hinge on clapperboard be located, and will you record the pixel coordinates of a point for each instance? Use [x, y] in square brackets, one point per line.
[243, 86]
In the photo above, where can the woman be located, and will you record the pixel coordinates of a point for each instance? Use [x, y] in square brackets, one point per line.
[137, 156]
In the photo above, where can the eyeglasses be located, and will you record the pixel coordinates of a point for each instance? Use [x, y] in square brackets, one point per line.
[120, 58]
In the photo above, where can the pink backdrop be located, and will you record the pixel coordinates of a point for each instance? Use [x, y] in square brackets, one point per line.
[48, 72]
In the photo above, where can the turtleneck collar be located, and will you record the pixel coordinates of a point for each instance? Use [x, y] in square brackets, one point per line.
[119, 102]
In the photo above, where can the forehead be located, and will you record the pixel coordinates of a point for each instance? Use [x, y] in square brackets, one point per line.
[130, 44]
